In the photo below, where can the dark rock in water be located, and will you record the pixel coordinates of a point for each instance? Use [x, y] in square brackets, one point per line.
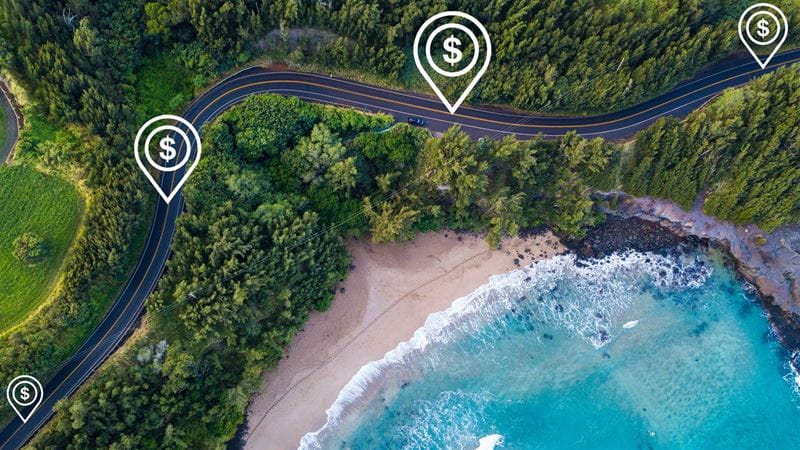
[516, 262]
[620, 234]
[746, 309]
[700, 329]
[559, 308]
[604, 336]
[786, 324]
[528, 279]
[606, 355]
[599, 316]
[549, 337]
[729, 289]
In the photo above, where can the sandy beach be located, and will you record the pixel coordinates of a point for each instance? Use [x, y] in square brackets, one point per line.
[387, 297]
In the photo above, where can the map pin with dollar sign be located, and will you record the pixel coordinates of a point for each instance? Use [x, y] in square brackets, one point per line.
[763, 28]
[24, 393]
[178, 153]
[459, 41]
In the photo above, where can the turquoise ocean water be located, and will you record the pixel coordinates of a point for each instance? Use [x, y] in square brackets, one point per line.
[631, 351]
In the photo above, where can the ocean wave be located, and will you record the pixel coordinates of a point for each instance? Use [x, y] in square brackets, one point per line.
[584, 298]
[793, 376]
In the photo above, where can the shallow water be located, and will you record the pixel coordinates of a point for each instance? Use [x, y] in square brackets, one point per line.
[551, 356]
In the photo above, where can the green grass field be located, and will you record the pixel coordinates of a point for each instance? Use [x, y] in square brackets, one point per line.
[47, 206]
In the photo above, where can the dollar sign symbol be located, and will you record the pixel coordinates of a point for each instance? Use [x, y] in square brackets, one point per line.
[169, 152]
[24, 393]
[763, 28]
[455, 54]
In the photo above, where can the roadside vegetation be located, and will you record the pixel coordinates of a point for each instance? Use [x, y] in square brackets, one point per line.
[39, 219]
[163, 83]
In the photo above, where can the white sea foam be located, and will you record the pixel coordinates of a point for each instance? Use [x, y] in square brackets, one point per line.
[585, 299]
[489, 442]
[793, 377]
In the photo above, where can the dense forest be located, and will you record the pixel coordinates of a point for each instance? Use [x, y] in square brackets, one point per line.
[282, 181]
[742, 152]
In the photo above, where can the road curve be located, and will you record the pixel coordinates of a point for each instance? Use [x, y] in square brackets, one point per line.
[12, 124]
[123, 315]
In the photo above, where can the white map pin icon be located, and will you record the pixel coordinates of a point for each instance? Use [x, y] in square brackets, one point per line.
[22, 392]
[190, 149]
[452, 107]
[773, 17]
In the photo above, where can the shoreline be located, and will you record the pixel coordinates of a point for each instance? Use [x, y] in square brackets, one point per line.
[280, 415]
[388, 295]
[768, 261]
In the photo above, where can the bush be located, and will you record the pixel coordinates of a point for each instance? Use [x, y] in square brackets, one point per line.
[29, 248]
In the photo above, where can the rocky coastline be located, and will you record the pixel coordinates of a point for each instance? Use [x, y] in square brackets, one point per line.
[768, 261]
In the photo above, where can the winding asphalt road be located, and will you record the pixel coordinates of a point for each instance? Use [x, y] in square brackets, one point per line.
[124, 314]
[11, 124]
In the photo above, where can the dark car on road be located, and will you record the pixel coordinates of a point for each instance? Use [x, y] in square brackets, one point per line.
[416, 121]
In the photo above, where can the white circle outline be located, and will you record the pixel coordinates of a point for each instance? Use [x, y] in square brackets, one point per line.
[777, 30]
[475, 54]
[185, 155]
[16, 387]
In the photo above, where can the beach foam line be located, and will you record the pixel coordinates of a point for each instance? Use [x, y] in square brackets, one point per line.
[598, 292]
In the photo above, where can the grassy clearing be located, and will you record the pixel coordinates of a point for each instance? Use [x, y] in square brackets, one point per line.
[48, 206]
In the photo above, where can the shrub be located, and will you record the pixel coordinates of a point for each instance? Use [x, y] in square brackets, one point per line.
[29, 248]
